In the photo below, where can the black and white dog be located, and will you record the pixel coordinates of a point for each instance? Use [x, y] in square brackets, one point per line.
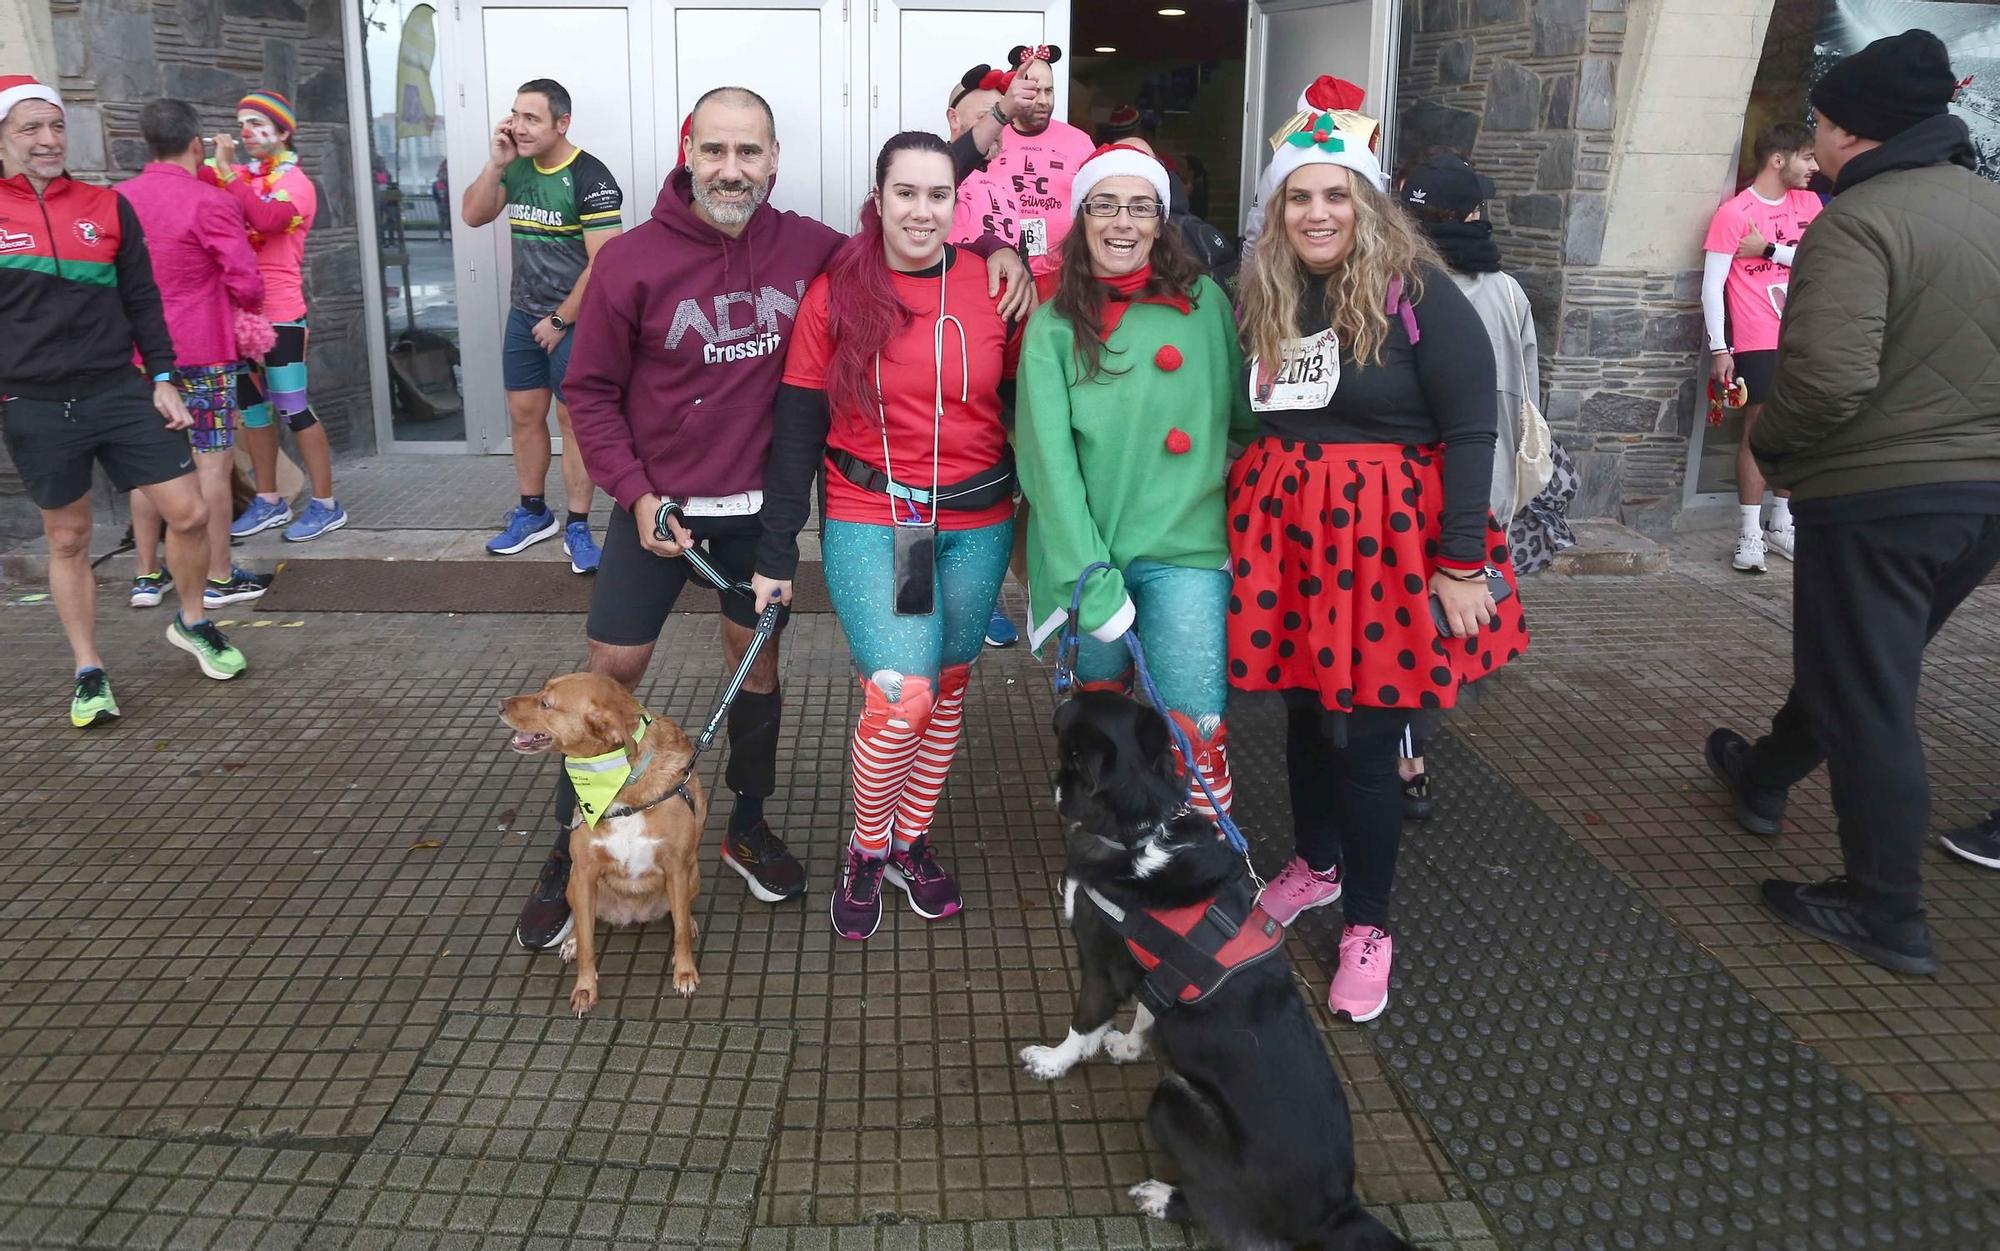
[1250, 1109]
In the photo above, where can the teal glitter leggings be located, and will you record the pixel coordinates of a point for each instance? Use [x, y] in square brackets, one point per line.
[1183, 624]
[860, 559]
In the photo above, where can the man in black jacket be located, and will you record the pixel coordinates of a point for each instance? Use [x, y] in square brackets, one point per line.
[1884, 423]
[79, 296]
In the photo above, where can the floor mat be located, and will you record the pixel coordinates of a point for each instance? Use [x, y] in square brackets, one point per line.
[471, 586]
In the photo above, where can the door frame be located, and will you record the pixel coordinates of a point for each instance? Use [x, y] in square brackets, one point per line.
[1385, 35]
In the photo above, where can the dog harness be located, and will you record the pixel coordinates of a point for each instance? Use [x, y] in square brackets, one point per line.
[1189, 952]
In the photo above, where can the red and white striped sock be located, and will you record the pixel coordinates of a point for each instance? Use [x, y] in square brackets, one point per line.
[885, 746]
[934, 755]
[1211, 758]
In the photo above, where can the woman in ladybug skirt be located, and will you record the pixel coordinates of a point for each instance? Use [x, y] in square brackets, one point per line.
[1359, 534]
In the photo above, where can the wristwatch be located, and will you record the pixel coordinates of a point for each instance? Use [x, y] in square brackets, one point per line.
[1770, 250]
[555, 319]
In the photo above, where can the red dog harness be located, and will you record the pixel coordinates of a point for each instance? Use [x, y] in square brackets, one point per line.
[1189, 952]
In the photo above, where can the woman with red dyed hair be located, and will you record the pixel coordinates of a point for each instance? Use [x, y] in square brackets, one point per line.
[895, 377]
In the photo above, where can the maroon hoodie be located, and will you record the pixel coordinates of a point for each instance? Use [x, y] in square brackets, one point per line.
[680, 346]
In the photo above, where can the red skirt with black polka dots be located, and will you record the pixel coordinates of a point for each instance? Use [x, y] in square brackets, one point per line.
[1332, 546]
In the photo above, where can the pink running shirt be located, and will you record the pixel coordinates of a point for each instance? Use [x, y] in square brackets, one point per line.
[1755, 292]
[1039, 169]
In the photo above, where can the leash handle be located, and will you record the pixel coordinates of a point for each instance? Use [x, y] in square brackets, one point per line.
[696, 561]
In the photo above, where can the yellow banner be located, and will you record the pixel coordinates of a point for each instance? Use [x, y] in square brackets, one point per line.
[416, 108]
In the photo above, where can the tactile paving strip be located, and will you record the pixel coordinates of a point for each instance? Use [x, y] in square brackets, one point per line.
[1600, 1080]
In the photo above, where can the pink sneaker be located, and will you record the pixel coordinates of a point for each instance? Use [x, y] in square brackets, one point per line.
[1360, 989]
[1297, 888]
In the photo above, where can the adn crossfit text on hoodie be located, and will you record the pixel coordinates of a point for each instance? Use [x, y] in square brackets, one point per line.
[680, 346]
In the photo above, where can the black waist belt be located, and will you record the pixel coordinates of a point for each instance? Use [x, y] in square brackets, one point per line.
[982, 490]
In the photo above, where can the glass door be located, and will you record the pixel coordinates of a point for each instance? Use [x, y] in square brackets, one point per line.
[409, 183]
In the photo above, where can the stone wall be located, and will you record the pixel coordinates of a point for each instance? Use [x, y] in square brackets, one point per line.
[1545, 96]
[114, 55]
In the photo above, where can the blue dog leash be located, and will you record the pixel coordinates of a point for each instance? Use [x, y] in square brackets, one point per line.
[1068, 644]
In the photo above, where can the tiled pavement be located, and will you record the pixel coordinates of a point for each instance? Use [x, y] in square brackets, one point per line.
[261, 990]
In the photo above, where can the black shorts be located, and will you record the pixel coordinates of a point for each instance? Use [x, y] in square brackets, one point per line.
[53, 442]
[1757, 369]
[635, 589]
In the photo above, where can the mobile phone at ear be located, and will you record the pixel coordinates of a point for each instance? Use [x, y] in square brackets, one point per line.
[1496, 585]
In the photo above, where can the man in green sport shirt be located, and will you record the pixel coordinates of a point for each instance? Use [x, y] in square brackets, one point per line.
[561, 205]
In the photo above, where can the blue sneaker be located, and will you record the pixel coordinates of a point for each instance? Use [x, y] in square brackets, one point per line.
[316, 520]
[261, 515]
[1000, 632]
[524, 530]
[583, 550]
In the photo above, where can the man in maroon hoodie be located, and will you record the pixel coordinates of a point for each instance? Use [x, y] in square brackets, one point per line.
[672, 379]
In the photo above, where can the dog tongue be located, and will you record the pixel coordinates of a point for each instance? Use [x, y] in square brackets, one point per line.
[524, 739]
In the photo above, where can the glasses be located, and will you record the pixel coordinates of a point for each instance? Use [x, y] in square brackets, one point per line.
[1138, 209]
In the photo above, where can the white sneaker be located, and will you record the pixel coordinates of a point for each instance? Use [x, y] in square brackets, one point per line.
[1749, 554]
[1782, 542]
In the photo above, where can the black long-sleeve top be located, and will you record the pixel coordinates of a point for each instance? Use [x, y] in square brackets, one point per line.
[1438, 390]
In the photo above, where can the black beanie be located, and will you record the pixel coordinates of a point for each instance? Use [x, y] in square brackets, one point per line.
[1888, 86]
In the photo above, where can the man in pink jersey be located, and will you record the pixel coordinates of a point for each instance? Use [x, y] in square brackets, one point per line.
[1746, 272]
[1039, 157]
[281, 203]
[987, 204]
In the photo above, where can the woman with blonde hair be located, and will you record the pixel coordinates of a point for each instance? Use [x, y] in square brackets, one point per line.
[1359, 533]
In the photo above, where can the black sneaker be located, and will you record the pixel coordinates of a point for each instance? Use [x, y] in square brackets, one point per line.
[1758, 811]
[764, 863]
[1978, 843]
[1417, 798]
[1837, 911]
[545, 921]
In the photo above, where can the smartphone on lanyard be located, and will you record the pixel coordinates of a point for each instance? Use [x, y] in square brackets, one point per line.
[916, 566]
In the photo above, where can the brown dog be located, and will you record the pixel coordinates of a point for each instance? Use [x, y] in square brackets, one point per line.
[632, 868]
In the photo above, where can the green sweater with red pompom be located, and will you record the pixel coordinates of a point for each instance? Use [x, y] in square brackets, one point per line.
[1130, 465]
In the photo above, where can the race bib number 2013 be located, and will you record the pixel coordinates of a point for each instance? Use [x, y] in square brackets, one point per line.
[1305, 380]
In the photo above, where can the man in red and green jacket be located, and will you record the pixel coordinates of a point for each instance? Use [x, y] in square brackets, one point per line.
[77, 304]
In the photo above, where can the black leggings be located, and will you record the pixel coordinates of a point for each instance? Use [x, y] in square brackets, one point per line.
[1347, 802]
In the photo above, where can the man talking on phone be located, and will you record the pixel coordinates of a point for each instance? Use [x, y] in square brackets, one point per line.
[562, 205]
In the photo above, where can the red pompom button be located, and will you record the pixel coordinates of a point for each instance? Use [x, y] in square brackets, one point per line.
[1168, 358]
[1177, 439]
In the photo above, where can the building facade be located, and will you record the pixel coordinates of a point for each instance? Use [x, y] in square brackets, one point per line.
[1612, 128]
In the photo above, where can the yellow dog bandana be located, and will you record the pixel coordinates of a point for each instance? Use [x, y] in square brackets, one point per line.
[598, 779]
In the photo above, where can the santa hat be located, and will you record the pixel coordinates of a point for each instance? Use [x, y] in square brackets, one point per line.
[15, 88]
[1342, 137]
[1118, 160]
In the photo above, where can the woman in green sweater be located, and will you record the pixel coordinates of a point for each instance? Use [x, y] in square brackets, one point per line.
[1129, 387]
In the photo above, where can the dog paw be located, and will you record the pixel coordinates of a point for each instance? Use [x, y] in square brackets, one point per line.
[582, 1000]
[685, 980]
[569, 950]
[1123, 1048]
[1046, 1063]
[1152, 1198]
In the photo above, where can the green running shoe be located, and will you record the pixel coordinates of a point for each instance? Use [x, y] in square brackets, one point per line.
[92, 704]
[217, 657]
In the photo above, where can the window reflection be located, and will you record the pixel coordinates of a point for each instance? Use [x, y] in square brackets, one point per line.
[411, 183]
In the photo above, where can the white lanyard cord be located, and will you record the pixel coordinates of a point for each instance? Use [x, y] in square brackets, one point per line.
[937, 401]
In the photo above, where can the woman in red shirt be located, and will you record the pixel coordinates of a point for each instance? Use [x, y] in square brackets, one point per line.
[894, 379]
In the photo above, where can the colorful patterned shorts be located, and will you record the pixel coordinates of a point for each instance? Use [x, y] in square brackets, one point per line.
[210, 393]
